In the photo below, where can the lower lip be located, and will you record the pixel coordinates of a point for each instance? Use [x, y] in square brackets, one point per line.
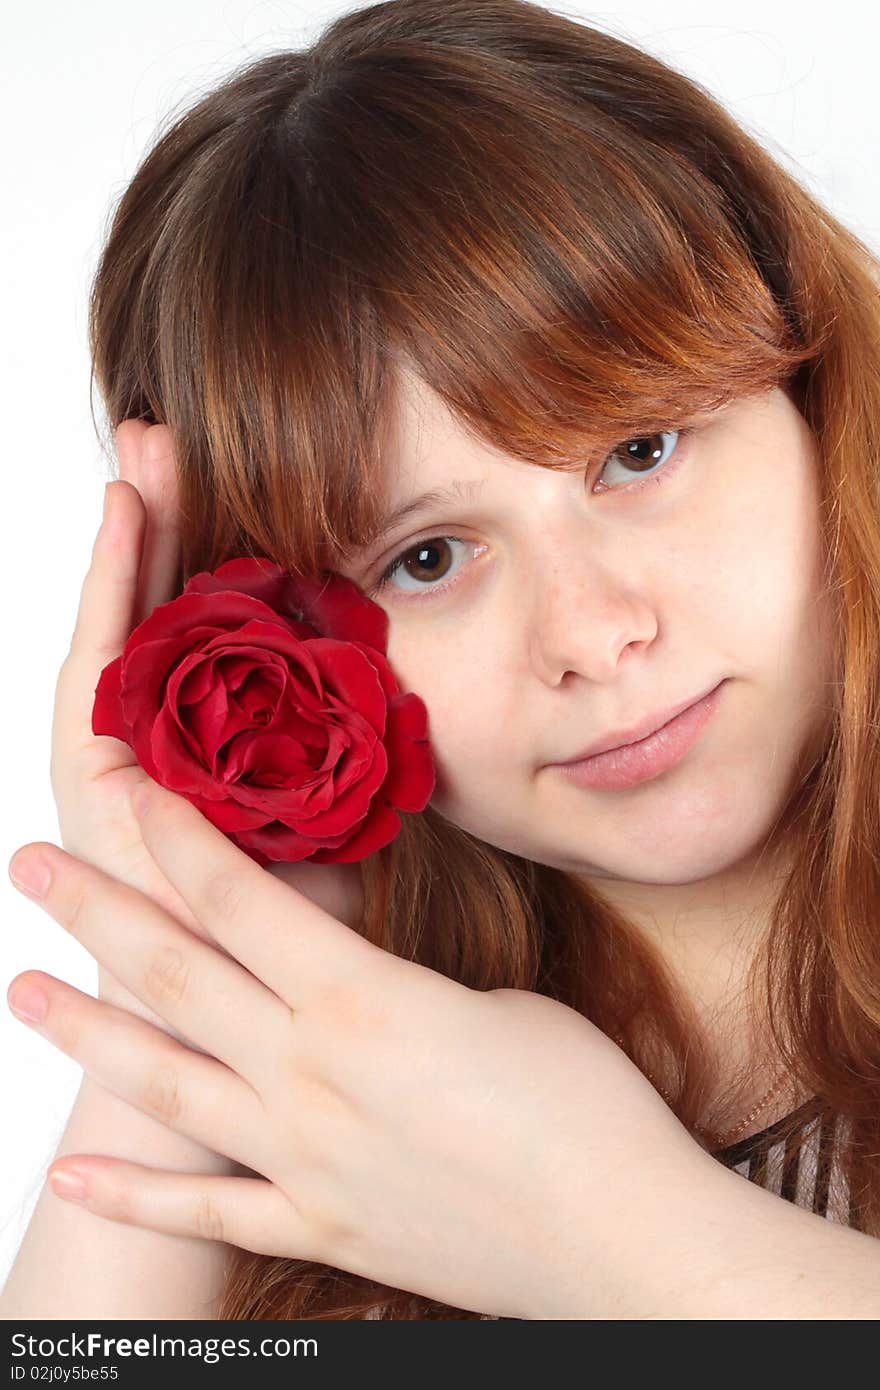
[633, 763]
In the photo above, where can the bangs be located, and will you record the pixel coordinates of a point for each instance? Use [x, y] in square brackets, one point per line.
[571, 244]
[554, 293]
[554, 267]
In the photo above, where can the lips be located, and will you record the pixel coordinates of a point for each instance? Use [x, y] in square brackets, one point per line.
[622, 737]
[630, 764]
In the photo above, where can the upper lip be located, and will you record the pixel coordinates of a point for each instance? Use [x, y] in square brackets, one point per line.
[618, 738]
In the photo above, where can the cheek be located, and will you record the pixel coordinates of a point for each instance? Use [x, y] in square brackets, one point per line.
[459, 692]
[747, 570]
[471, 700]
[764, 599]
[785, 587]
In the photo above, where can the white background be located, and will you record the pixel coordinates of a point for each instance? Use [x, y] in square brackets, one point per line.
[82, 91]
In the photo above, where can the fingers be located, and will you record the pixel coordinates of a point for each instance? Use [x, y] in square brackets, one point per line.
[155, 476]
[185, 1091]
[250, 1213]
[278, 934]
[204, 994]
[103, 624]
[134, 567]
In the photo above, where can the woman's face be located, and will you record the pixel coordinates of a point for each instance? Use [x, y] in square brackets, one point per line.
[554, 608]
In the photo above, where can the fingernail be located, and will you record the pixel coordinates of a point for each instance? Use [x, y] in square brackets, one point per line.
[29, 1004]
[31, 874]
[68, 1184]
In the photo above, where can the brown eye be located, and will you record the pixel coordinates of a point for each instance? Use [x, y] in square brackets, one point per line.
[646, 450]
[427, 563]
[427, 560]
[643, 454]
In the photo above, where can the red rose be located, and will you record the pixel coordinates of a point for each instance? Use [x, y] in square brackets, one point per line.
[267, 701]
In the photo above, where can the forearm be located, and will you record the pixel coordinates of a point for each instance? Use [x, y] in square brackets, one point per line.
[753, 1255]
[718, 1247]
[74, 1264]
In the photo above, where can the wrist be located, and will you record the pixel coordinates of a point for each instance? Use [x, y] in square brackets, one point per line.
[630, 1255]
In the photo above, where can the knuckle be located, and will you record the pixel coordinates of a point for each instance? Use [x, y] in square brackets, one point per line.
[76, 899]
[357, 998]
[119, 1202]
[160, 1095]
[343, 1006]
[65, 1031]
[207, 1220]
[332, 1235]
[166, 976]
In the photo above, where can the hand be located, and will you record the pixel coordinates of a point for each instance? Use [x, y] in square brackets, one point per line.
[483, 1149]
[134, 567]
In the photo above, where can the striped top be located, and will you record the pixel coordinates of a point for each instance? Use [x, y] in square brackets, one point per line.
[769, 1158]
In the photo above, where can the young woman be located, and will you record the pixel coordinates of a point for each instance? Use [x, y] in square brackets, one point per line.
[511, 325]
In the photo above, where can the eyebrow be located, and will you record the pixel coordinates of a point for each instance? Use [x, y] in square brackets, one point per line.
[461, 490]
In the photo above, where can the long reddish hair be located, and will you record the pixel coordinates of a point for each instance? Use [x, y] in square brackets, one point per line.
[551, 227]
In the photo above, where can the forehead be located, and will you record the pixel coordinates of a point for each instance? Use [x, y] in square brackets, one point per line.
[422, 439]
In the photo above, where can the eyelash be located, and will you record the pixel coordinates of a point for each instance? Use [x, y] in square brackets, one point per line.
[664, 471]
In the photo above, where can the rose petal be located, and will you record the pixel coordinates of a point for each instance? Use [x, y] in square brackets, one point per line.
[411, 774]
[352, 677]
[266, 698]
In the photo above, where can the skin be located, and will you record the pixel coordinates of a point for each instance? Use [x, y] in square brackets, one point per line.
[719, 576]
[574, 611]
[581, 604]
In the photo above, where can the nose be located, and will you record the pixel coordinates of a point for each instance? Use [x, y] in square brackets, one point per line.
[588, 614]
